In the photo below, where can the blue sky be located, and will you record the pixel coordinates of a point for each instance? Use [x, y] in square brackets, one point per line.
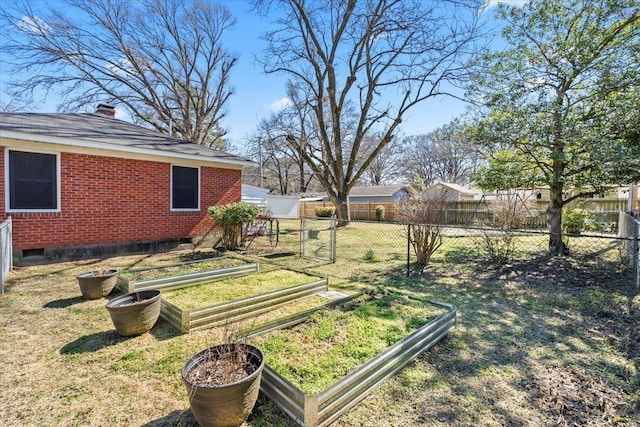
[257, 95]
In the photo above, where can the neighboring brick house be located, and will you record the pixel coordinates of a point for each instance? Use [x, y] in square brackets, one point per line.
[83, 185]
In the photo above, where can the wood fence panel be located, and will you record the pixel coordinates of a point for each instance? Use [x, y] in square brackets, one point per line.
[469, 212]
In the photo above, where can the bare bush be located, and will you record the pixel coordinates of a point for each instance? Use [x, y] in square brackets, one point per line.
[425, 219]
[510, 211]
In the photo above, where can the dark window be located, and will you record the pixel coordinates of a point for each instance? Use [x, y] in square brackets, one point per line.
[184, 188]
[33, 181]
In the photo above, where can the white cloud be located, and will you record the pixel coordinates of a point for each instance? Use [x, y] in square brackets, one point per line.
[122, 68]
[492, 3]
[280, 104]
[33, 25]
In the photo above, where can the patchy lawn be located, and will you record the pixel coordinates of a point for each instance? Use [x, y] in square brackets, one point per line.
[542, 342]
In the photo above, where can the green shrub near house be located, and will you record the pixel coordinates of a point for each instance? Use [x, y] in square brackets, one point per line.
[231, 219]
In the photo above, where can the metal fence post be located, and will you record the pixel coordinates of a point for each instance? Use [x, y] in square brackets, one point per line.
[302, 231]
[2, 260]
[408, 249]
[334, 235]
[636, 252]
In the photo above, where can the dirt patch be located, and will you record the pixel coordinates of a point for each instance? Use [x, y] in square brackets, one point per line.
[574, 397]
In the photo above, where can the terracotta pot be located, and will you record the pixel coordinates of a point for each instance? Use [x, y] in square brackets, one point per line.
[226, 405]
[135, 313]
[97, 284]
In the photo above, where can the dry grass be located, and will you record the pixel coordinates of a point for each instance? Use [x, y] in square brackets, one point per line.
[543, 342]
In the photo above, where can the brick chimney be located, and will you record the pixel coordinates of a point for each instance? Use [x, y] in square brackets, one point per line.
[106, 110]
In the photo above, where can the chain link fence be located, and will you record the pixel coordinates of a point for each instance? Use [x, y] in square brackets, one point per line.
[363, 248]
[630, 230]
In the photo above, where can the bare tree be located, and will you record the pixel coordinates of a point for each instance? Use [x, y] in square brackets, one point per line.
[12, 104]
[160, 59]
[353, 59]
[281, 165]
[446, 154]
[387, 167]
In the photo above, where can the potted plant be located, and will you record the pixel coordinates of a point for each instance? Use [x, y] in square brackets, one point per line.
[223, 382]
[97, 284]
[135, 313]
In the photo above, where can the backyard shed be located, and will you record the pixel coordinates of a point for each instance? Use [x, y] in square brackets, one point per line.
[283, 206]
[254, 195]
[84, 185]
[280, 206]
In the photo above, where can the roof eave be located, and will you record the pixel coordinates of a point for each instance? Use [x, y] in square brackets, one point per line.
[119, 148]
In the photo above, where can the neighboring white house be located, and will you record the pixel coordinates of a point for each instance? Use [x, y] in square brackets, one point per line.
[450, 192]
[380, 193]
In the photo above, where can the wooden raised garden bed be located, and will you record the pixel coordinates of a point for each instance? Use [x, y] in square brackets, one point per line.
[184, 274]
[234, 299]
[340, 363]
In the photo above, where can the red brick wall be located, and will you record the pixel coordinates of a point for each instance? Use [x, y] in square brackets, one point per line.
[114, 200]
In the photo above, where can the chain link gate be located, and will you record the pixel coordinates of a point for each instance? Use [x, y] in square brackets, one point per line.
[318, 238]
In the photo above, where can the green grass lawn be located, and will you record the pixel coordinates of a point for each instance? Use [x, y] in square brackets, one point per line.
[208, 294]
[149, 273]
[538, 341]
[333, 342]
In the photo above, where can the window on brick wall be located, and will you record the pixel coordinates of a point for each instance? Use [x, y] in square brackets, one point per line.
[185, 188]
[32, 181]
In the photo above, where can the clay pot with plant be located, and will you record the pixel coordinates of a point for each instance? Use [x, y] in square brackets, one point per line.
[97, 284]
[135, 313]
[223, 382]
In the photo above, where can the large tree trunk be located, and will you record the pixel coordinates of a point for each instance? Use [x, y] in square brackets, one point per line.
[342, 212]
[554, 212]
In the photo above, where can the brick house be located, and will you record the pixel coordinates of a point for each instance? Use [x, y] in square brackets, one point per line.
[86, 185]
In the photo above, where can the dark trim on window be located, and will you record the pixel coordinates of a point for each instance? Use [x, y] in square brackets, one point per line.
[185, 188]
[32, 181]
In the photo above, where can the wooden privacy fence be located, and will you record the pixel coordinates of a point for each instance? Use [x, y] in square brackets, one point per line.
[365, 211]
[471, 212]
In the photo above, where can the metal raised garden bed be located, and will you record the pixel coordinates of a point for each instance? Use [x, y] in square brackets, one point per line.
[238, 309]
[127, 285]
[326, 407]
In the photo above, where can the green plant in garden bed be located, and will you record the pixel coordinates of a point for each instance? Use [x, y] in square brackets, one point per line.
[333, 342]
[208, 294]
[180, 269]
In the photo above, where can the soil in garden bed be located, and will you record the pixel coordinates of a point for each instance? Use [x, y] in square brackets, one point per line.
[333, 342]
[181, 269]
[208, 294]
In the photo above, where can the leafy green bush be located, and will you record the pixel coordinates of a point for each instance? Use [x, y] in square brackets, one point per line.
[576, 221]
[370, 255]
[231, 219]
[325, 212]
[379, 213]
